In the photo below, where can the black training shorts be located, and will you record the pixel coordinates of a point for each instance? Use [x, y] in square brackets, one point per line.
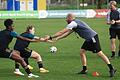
[92, 45]
[5, 53]
[26, 53]
[114, 32]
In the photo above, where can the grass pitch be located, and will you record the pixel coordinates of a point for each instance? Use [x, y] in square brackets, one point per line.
[66, 62]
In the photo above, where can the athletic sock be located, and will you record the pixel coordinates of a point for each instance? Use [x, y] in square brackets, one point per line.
[40, 65]
[16, 65]
[113, 53]
[17, 70]
[84, 68]
[28, 71]
[110, 66]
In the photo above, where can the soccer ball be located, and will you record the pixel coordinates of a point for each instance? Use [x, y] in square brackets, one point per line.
[53, 49]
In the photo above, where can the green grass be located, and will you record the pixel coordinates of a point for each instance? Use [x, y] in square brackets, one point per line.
[66, 62]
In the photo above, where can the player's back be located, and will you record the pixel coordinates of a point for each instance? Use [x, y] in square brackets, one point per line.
[5, 39]
[84, 30]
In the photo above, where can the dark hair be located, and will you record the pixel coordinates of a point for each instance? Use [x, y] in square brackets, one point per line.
[29, 27]
[8, 22]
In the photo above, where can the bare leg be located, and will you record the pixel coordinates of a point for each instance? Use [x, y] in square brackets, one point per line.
[83, 57]
[106, 60]
[113, 47]
[15, 56]
[38, 58]
[104, 57]
[84, 61]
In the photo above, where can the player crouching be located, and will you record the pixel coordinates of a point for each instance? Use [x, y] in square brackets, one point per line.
[25, 52]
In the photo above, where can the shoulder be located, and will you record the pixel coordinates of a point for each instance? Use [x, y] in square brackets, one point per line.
[14, 34]
[28, 35]
[71, 25]
[118, 10]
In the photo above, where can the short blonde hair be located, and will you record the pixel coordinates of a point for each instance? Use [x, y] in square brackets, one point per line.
[113, 3]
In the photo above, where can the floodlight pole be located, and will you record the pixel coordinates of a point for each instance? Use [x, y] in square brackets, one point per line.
[78, 3]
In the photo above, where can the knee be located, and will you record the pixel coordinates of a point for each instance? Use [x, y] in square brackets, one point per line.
[36, 56]
[100, 53]
[82, 52]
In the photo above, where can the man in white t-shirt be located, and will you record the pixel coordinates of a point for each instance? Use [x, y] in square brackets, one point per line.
[91, 41]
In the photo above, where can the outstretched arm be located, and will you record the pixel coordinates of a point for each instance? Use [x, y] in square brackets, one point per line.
[27, 39]
[62, 34]
[14, 34]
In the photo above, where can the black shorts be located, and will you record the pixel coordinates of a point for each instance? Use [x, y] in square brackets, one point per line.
[26, 53]
[92, 45]
[5, 53]
[114, 32]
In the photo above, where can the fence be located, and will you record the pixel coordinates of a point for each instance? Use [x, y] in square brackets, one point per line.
[66, 4]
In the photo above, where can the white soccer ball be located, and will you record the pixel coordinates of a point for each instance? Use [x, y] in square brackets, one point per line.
[53, 49]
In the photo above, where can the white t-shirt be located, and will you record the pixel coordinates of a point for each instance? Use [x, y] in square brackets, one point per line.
[72, 25]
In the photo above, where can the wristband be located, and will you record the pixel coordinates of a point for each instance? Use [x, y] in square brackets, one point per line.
[50, 38]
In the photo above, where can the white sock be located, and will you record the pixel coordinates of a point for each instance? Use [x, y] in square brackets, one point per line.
[17, 70]
[30, 74]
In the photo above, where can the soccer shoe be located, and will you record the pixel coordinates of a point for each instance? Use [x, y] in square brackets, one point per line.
[43, 70]
[83, 72]
[32, 76]
[18, 73]
[30, 67]
[112, 72]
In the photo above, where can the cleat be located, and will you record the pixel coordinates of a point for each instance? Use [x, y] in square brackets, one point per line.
[83, 72]
[32, 76]
[112, 72]
[43, 70]
[30, 67]
[18, 73]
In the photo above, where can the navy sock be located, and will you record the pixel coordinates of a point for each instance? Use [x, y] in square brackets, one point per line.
[84, 68]
[40, 65]
[110, 66]
[16, 65]
[113, 53]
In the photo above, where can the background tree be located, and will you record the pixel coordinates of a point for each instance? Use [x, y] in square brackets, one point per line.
[99, 4]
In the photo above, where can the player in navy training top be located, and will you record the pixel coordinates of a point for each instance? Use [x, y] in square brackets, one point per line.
[6, 37]
[25, 52]
[113, 19]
